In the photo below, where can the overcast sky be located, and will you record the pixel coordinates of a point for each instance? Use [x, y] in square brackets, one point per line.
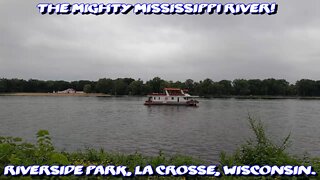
[173, 47]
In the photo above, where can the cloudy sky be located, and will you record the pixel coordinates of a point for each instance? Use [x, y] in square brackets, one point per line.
[174, 47]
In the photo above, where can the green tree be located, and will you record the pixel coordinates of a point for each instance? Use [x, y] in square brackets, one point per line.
[61, 85]
[224, 87]
[79, 85]
[157, 84]
[120, 87]
[307, 87]
[104, 86]
[189, 84]
[87, 88]
[136, 87]
[241, 87]
[128, 80]
[206, 87]
[275, 87]
[255, 86]
[3, 85]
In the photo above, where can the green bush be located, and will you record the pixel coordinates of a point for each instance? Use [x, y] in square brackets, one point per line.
[261, 150]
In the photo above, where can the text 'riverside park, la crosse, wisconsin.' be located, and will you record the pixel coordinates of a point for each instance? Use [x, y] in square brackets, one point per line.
[160, 170]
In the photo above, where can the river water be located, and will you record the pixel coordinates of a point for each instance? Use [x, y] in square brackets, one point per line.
[124, 124]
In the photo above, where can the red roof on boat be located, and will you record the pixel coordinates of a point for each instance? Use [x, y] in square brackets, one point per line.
[158, 94]
[155, 94]
[172, 89]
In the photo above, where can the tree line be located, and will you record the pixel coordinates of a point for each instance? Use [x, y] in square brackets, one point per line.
[207, 87]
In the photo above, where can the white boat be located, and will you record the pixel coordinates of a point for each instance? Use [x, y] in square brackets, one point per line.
[172, 96]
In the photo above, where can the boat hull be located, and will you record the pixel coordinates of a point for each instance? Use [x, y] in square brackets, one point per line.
[173, 97]
[149, 103]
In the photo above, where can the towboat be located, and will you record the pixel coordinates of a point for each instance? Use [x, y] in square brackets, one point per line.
[172, 96]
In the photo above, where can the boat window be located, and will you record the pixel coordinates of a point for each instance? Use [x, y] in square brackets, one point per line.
[154, 98]
[159, 98]
[172, 98]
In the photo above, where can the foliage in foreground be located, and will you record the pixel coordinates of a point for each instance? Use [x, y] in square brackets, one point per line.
[13, 151]
[261, 151]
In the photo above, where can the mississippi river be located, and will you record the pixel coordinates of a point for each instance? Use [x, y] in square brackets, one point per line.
[124, 124]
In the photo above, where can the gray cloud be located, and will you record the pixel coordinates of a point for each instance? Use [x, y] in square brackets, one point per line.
[174, 47]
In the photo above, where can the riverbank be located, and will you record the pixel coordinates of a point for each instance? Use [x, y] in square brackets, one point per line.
[264, 97]
[57, 94]
[207, 97]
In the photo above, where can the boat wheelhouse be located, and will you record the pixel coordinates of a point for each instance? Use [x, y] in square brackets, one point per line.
[172, 96]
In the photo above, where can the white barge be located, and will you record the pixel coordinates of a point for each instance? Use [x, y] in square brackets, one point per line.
[172, 96]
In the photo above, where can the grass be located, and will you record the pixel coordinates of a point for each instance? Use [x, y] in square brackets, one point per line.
[258, 151]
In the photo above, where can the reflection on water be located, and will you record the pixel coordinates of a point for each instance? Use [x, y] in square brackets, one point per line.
[123, 124]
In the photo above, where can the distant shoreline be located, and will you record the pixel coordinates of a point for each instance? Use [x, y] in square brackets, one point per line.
[205, 97]
[57, 94]
[264, 97]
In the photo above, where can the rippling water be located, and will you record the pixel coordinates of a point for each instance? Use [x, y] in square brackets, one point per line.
[123, 124]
